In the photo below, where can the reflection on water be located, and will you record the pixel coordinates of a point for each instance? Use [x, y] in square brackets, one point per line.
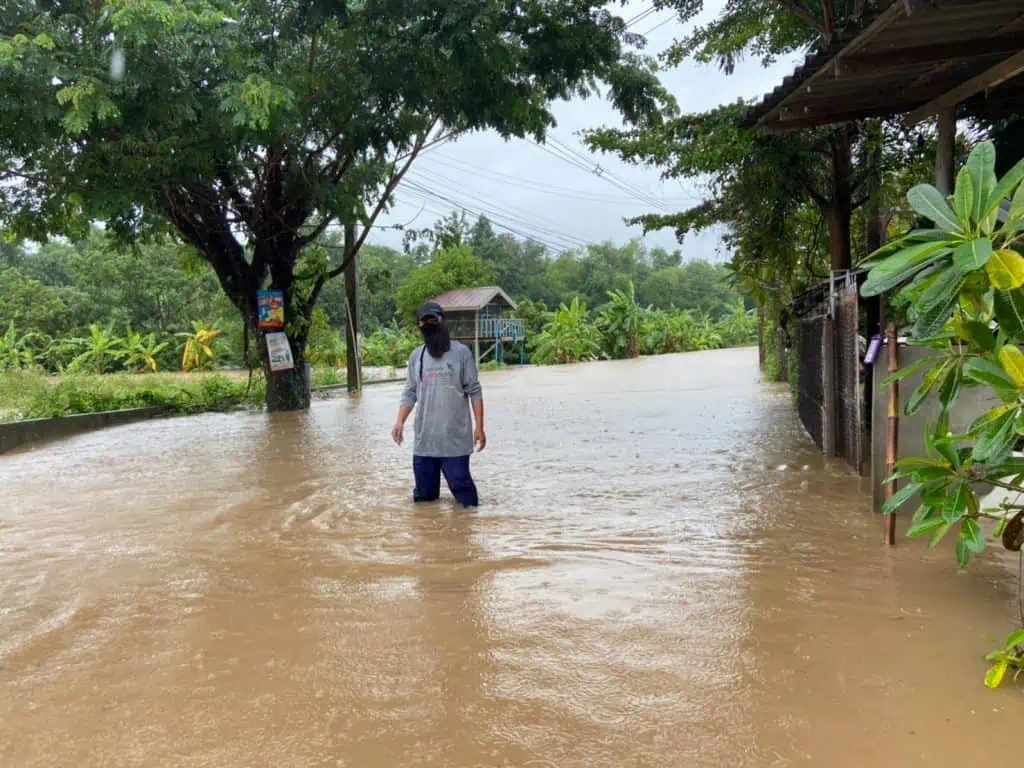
[663, 574]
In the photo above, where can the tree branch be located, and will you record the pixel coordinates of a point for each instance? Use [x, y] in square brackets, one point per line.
[800, 10]
[389, 190]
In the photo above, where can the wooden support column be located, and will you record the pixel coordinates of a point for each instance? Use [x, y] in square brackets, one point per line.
[944, 174]
[354, 371]
[476, 337]
[892, 429]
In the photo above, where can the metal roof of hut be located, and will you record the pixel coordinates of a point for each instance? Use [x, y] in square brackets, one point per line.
[906, 56]
[472, 299]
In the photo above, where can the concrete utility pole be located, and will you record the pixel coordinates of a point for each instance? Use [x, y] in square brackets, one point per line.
[353, 379]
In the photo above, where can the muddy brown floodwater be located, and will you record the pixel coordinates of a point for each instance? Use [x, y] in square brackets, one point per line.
[663, 574]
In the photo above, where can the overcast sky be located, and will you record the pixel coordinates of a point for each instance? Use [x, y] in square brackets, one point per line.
[536, 192]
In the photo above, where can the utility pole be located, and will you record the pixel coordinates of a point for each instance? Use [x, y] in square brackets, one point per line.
[353, 377]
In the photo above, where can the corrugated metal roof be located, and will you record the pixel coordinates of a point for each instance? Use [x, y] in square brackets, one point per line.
[891, 62]
[472, 299]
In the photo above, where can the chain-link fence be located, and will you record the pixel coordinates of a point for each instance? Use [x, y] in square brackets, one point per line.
[849, 396]
[829, 392]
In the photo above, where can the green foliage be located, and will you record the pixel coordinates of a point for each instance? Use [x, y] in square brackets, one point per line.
[100, 350]
[20, 351]
[621, 322]
[36, 396]
[389, 346]
[246, 130]
[141, 352]
[568, 337]
[326, 345]
[455, 267]
[962, 281]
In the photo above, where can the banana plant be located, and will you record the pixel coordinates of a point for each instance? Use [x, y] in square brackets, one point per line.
[963, 280]
[621, 320]
[101, 348]
[200, 347]
[18, 350]
[140, 351]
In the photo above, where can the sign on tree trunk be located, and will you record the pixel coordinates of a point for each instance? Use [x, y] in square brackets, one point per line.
[280, 352]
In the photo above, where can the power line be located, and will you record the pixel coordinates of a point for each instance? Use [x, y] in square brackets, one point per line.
[524, 183]
[597, 170]
[499, 220]
[523, 217]
[659, 25]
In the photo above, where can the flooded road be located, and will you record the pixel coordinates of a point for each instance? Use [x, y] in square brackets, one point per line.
[663, 574]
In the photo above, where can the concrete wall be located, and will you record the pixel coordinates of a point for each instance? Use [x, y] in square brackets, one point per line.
[19, 434]
[969, 405]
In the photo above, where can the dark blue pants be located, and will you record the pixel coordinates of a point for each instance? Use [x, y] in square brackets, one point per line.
[428, 469]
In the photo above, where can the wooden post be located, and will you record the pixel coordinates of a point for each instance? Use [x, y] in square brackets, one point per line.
[476, 337]
[944, 151]
[354, 370]
[892, 429]
[828, 387]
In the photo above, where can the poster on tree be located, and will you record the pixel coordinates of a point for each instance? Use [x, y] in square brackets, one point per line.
[270, 306]
[280, 352]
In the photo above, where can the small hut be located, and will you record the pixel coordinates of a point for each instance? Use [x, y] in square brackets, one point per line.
[476, 316]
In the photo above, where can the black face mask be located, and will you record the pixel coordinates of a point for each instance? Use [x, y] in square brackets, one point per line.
[436, 338]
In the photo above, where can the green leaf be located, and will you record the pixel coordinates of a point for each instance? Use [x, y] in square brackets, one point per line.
[903, 265]
[939, 533]
[1004, 189]
[996, 673]
[977, 334]
[1012, 360]
[928, 382]
[988, 418]
[982, 164]
[1015, 639]
[972, 255]
[902, 373]
[929, 202]
[920, 528]
[988, 373]
[957, 503]
[996, 442]
[917, 462]
[950, 386]
[1017, 205]
[936, 304]
[901, 497]
[1006, 270]
[1009, 311]
[972, 534]
[963, 196]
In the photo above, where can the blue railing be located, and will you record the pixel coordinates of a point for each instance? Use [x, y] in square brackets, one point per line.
[502, 328]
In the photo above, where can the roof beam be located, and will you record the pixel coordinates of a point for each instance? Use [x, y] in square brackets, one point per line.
[990, 78]
[929, 54]
[884, 19]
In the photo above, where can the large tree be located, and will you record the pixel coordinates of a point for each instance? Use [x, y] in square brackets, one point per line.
[247, 129]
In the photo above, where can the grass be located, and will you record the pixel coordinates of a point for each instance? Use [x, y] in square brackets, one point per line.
[33, 395]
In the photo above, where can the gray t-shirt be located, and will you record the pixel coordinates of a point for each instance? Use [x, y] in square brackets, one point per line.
[441, 396]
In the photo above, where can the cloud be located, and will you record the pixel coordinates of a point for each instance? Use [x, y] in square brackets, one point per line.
[554, 194]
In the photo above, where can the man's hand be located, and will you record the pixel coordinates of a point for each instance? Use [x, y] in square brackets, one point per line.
[479, 439]
[398, 433]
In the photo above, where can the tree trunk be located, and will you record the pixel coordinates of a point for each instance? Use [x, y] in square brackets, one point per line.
[286, 390]
[840, 208]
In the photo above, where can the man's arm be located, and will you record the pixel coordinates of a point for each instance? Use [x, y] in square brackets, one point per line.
[406, 403]
[471, 386]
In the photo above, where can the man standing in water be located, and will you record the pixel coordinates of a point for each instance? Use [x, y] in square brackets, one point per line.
[443, 386]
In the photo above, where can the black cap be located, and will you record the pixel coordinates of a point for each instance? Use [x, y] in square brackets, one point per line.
[430, 309]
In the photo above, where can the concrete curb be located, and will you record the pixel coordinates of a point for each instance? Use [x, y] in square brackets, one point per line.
[17, 434]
